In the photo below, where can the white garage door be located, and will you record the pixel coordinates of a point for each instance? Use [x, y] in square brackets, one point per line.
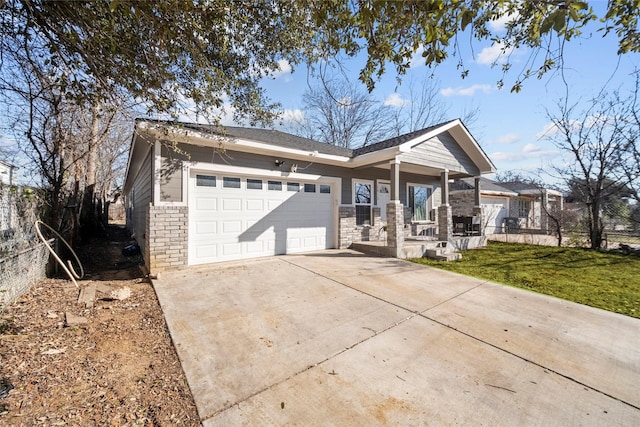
[495, 211]
[235, 217]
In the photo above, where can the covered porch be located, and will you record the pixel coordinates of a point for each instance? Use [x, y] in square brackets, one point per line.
[412, 229]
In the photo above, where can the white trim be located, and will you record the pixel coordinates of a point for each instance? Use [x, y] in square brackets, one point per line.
[240, 144]
[371, 183]
[495, 193]
[156, 167]
[355, 181]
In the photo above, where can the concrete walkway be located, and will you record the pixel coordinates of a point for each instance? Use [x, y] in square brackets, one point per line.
[340, 338]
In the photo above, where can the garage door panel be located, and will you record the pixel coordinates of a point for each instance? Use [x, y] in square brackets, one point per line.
[293, 243]
[255, 247]
[494, 211]
[255, 205]
[206, 251]
[205, 204]
[273, 204]
[232, 205]
[231, 227]
[234, 223]
[231, 249]
[206, 227]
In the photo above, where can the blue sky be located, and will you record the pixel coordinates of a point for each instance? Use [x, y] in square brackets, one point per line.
[510, 125]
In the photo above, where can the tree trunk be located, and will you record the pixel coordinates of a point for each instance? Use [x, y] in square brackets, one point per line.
[88, 215]
[595, 228]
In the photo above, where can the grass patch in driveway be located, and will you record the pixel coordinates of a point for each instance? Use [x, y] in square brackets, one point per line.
[604, 280]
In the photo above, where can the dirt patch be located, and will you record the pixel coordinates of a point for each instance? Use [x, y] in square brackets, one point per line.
[116, 366]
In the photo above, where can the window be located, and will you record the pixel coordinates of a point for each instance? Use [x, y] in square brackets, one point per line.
[254, 184]
[228, 182]
[275, 185]
[523, 207]
[293, 186]
[325, 189]
[309, 188]
[419, 202]
[362, 200]
[205, 181]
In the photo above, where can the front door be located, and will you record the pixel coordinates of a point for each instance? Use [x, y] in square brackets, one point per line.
[384, 197]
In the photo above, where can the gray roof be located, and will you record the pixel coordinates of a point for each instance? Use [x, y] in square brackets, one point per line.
[269, 136]
[485, 185]
[395, 141]
[520, 186]
[287, 140]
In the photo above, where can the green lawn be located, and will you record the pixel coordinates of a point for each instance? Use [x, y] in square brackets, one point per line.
[604, 280]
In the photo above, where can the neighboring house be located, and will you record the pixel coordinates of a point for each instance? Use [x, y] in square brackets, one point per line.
[7, 208]
[198, 194]
[6, 173]
[506, 204]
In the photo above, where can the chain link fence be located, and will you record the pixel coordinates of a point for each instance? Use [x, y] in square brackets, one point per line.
[23, 258]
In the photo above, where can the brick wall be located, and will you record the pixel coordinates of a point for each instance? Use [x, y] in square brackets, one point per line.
[167, 238]
[349, 232]
[462, 203]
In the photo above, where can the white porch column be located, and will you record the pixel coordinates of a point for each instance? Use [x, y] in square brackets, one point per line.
[478, 214]
[395, 213]
[445, 221]
[395, 179]
[444, 187]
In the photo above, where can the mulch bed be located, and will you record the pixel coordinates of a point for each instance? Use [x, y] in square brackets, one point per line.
[111, 363]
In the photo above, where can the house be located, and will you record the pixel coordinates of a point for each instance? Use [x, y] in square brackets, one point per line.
[514, 205]
[6, 173]
[7, 209]
[198, 194]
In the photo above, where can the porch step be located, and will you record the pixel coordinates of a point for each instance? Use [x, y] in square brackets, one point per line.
[441, 254]
[412, 249]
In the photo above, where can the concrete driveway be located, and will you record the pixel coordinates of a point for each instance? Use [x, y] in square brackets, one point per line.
[340, 338]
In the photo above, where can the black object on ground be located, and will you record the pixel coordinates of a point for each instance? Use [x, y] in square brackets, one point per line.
[131, 250]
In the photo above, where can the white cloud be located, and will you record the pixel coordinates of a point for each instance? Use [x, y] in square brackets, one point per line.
[285, 69]
[509, 138]
[529, 151]
[499, 25]
[548, 130]
[396, 101]
[292, 116]
[494, 53]
[417, 60]
[466, 91]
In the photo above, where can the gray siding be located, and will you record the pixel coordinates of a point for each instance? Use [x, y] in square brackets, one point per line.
[170, 175]
[141, 198]
[442, 152]
[171, 181]
[267, 163]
